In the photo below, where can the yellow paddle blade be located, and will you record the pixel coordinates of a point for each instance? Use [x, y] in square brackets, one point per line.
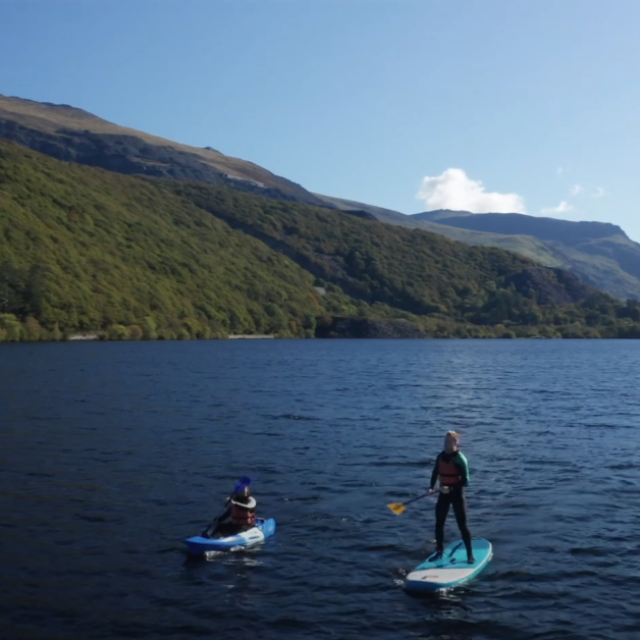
[397, 507]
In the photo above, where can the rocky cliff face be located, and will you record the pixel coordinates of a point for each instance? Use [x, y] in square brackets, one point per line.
[552, 286]
[74, 135]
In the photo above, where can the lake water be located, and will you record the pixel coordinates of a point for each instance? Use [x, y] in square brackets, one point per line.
[110, 454]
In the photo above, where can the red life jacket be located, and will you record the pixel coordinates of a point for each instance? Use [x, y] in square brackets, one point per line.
[242, 516]
[448, 472]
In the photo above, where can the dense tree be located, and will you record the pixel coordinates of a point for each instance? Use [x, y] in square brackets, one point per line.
[83, 249]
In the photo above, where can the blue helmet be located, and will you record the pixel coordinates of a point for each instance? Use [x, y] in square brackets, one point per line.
[243, 483]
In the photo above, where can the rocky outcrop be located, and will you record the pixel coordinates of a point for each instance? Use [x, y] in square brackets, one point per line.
[133, 155]
[552, 286]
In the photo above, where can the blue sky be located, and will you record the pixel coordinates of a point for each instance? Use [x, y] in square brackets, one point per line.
[528, 105]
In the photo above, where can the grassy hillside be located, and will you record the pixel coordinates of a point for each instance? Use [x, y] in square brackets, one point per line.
[609, 261]
[83, 249]
[526, 246]
[565, 231]
[599, 253]
[415, 271]
[68, 133]
[437, 281]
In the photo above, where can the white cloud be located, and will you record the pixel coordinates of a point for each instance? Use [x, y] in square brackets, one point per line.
[563, 207]
[454, 190]
[576, 189]
[599, 193]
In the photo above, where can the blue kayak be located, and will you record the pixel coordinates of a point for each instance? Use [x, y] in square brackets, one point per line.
[451, 568]
[197, 545]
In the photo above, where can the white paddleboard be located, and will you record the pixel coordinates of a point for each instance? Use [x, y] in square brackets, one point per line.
[451, 568]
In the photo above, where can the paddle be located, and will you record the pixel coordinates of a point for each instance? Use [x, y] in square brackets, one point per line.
[242, 484]
[400, 507]
[212, 526]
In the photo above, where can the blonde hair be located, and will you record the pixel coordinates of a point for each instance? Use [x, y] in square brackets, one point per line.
[454, 434]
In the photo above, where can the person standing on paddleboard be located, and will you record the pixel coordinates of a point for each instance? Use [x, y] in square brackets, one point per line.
[451, 470]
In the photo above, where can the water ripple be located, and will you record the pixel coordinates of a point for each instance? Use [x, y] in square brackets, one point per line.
[110, 454]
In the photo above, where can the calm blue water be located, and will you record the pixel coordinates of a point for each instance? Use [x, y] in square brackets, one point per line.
[110, 454]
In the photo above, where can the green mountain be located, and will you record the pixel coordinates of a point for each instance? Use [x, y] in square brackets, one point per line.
[599, 253]
[608, 260]
[84, 249]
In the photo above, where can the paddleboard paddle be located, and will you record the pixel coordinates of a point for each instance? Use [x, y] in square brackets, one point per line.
[400, 507]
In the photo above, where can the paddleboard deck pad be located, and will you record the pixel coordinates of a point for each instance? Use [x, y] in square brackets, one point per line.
[199, 545]
[451, 568]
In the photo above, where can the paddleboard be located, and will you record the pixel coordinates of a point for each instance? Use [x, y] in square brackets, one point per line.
[198, 545]
[451, 569]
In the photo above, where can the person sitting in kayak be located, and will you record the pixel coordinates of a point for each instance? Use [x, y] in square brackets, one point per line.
[241, 513]
[451, 470]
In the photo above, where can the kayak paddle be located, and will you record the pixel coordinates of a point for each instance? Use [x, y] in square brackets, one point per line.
[205, 533]
[400, 507]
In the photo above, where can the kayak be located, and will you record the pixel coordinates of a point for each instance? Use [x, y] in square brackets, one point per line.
[198, 545]
[451, 568]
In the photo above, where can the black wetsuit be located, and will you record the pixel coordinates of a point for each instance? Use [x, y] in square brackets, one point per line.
[454, 498]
